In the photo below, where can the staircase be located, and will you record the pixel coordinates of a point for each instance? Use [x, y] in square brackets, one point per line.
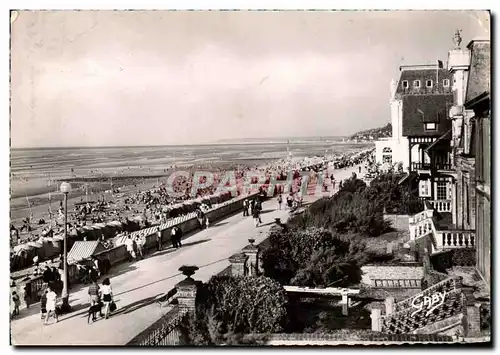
[423, 224]
[407, 319]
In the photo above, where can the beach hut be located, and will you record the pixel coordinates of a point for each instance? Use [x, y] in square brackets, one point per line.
[84, 250]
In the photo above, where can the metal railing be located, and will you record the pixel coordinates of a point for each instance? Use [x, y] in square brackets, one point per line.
[428, 166]
[164, 332]
[421, 166]
[397, 283]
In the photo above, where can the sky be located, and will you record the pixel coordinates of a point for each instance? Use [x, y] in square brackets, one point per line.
[125, 78]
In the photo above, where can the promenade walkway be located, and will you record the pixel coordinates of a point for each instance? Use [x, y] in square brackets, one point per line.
[139, 284]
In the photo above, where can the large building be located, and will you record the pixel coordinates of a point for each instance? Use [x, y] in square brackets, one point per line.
[421, 131]
[477, 99]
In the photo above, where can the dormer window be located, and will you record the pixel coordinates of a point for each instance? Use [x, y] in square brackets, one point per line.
[446, 83]
[428, 83]
[416, 84]
[405, 84]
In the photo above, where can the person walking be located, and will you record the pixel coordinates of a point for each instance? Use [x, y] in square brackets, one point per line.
[258, 207]
[107, 296]
[256, 217]
[94, 296]
[129, 244]
[139, 241]
[245, 208]
[178, 235]
[16, 302]
[173, 237]
[280, 201]
[50, 305]
[158, 239]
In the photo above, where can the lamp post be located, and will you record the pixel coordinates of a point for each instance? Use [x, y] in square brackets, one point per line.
[65, 189]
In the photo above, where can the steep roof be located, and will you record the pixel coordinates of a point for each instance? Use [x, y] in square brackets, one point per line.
[480, 72]
[410, 75]
[421, 109]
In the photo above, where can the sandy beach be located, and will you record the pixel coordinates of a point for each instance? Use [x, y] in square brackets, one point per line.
[37, 173]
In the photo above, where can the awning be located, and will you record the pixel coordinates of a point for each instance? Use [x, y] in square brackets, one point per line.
[447, 135]
[84, 250]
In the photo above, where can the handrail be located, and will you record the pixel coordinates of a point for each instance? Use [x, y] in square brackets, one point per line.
[155, 334]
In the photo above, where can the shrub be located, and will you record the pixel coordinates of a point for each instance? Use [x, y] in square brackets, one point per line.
[351, 210]
[463, 257]
[313, 257]
[228, 305]
[392, 196]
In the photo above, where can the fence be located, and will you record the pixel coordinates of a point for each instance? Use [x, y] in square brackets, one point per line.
[164, 332]
[397, 283]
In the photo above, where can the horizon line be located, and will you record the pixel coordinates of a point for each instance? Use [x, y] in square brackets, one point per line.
[219, 142]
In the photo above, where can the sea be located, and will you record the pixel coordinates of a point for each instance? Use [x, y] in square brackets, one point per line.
[34, 170]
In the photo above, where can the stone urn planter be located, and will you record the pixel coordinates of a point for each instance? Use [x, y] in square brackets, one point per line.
[188, 270]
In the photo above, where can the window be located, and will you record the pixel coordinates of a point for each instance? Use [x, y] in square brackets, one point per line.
[428, 83]
[442, 192]
[446, 83]
[416, 83]
[424, 188]
[467, 206]
[387, 155]
[405, 84]
[430, 126]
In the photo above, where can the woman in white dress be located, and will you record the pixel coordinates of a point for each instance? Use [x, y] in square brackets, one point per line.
[51, 304]
[107, 296]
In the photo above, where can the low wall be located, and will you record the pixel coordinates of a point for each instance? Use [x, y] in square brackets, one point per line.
[119, 253]
[345, 337]
[372, 274]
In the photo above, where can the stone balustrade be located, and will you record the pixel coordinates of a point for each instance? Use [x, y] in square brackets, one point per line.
[441, 205]
[455, 239]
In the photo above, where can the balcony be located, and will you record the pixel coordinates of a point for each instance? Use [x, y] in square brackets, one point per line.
[428, 166]
[441, 205]
[422, 224]
[420, 166]
[444, 166]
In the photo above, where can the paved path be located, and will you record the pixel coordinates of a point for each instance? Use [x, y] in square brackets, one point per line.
[137, 285]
